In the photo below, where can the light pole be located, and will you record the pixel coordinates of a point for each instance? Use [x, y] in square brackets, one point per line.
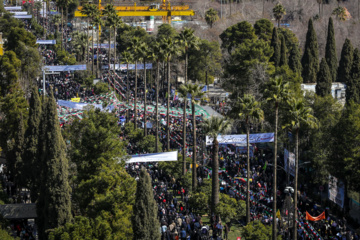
[221, 9]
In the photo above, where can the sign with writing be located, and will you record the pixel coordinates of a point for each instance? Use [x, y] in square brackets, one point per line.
[289, 162]
[75, 99]
[336, 191]
[241, 138]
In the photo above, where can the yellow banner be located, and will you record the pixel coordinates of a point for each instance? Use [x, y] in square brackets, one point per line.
[75, 99]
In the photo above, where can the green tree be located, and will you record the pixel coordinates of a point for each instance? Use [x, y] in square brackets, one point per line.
[229, 209]
[300, 116]
[256, 231]
[323, 81]
[79, 43]
[170, 49]
[211, 16]
[183, 91]
[277, 91]
[205, 62]
[310, 59]
[144, 220]
[353, 84]
[239, 67]
[144, 54]
[198, 203]
[213, 127]
[98, 22]
[110, 13]
[294, 60]
[165, 30]
[290, 38]
[248, 110]
[125, 35]
[345, 63]
[101, 88]
[54, 204]
[17, 35]
[283, 55]
[279, 11]
[236, 35]
[264, 29]
[31, 155]
[276, 45]
[330, 51]
[9, 66]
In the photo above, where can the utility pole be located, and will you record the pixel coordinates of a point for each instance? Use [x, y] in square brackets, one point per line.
[221, 9]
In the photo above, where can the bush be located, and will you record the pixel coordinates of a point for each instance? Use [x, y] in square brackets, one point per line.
[101, 88]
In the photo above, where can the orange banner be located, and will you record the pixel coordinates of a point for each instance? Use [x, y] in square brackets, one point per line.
[318, 218]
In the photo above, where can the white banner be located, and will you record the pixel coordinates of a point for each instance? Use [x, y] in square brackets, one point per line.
[64, 68]
[82, 106]
[154, 157]
[336, 191]
[289, 162]
[140, 66]
[238, 139]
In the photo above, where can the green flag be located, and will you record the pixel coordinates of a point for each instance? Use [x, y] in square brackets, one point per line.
[265, 166]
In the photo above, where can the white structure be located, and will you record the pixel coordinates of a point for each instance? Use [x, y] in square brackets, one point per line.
[337, 89]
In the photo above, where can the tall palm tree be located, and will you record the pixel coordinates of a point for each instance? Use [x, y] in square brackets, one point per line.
[117, 22]
[128, 58]
[300, 115]
[249, 111]
[93, 15]
[170, 49]
[110, 13]
[56, 20]
[144, 54]
[98, 22]
[135, 48]
[213, 127]
[276, 92]
[183, 91]
[279, 11]
[211, 16]
[196, 96]
[187, 40]
[88, 10]
[158, 56]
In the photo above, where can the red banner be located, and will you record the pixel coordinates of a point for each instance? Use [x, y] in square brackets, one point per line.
[318, 218]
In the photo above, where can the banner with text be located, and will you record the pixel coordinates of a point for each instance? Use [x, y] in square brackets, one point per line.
[154, 157]
[336, 191]
[289, 162]
[241, 138]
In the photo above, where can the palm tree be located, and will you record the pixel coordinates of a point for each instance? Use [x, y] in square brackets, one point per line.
[93, 15]
[110, 13]
[97, 21]
[79, 43]
[117, 22]
[249, 111]
[277, 91]
[279, 11]
[135, 48]
[64, 4]
[56, 20]
[211, 16]
[300, 115]
[213, 127]
[144, 54]
[158, 56]
[183, 91]
[187, 40]
[87, 10]
[128, 58]
[196, 95]
[170, 49]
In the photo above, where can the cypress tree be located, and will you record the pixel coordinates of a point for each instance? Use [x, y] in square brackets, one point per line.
[275, 44]
[345, 63]
[330, 50]
[53, 205]
[144, 221]
[283, 57]
[31, 148]
[353, 86]
[323, 83]
[294, 60]
[310, 59]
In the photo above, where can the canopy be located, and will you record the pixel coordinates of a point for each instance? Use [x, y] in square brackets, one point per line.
[241, 138]
[64, 68]
[154, 157]
[52, 42]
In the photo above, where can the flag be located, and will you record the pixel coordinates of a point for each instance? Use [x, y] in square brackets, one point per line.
[265, 166]
[278, 214]
[311, 218]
